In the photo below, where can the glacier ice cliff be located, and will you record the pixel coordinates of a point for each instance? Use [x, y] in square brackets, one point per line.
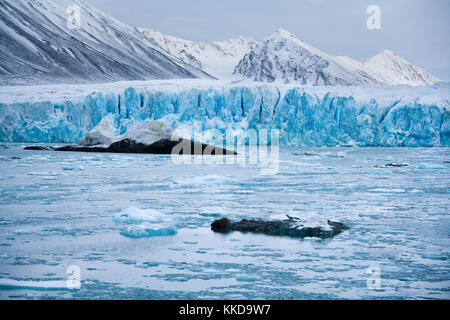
[304, 116]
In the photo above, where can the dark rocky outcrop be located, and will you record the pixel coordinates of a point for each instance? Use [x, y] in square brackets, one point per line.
[163, 146]
[396, 165]
[38, 148]
[167, 146]
[289, 227]
[76, 148]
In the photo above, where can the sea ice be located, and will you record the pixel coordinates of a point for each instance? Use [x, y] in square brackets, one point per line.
[148, 230]
[145, 223]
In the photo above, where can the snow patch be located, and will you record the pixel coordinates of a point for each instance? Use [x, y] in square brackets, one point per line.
[148, 133]
[102, 134]
[305, 219]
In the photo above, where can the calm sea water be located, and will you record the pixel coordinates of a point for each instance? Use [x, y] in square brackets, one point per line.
[57, 210]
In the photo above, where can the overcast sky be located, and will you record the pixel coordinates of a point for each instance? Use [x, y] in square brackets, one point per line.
[417, 30]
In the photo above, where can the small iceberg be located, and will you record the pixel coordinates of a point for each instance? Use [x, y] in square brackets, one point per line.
[145, 223]
[6, 284]
[148, 230]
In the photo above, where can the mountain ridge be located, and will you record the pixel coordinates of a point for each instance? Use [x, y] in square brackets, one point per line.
[217, 58]
[38, 48]
[289, 59]
[282, 55]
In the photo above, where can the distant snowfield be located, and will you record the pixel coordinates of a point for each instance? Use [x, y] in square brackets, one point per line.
[63, 92]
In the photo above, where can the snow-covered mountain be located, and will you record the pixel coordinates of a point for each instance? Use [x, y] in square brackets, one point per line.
[217, 58]
[391, 69]
[284, 57]
[37, 47]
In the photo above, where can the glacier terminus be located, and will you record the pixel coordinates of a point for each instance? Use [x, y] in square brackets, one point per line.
[392, 116]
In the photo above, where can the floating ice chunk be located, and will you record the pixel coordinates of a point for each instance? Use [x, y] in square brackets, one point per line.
[31, 284]
[145, 223]
[148, 230]
[211, 211]
[335, 155]
[134, 215]
[247, 278]
[43, 173]
[387, 190]
[21, 232]
[212, 179]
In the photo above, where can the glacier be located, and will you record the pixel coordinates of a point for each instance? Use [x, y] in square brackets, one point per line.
[304, 115]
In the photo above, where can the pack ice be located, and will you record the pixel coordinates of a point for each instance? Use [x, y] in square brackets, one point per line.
[304, 115]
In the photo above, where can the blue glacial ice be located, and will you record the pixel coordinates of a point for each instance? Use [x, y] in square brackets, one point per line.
[304, 116]
[141, 223]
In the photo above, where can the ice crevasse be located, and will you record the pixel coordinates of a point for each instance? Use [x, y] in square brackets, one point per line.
[304, 116]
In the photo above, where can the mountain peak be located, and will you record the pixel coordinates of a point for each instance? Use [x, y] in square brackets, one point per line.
[386, 56]
[284, 57]
[393, 69]
[386, 53]
[244, 37]
[283, 33]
